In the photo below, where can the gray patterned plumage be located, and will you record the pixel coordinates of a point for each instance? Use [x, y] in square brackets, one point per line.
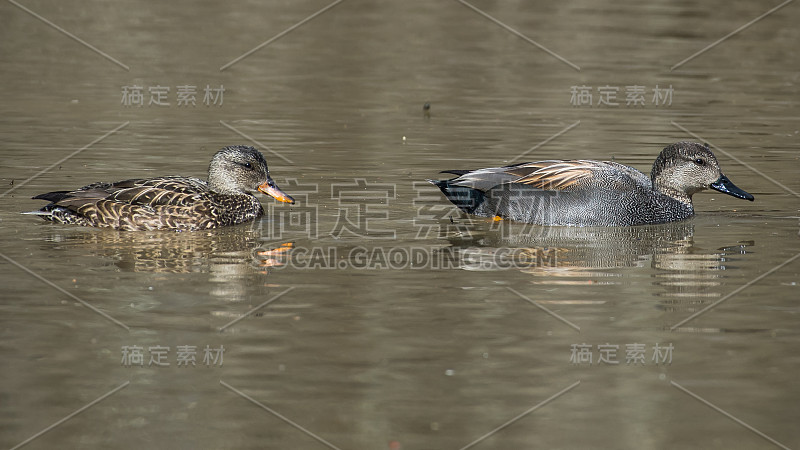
[173, 203]
[591, 193]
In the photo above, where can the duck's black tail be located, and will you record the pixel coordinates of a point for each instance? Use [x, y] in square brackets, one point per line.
[465, 198]
[53, 196]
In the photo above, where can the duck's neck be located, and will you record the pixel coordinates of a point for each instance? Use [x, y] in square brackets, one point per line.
[220, 185]
[661, 172]
[671, 192]
[222, 190]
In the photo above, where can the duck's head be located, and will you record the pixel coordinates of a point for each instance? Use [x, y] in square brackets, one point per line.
[685, 168]
[239, 169]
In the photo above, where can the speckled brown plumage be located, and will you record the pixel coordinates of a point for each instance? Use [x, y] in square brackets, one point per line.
[173, 203]
[591, 193]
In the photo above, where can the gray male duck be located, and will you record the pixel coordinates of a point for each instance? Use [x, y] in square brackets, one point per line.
[172, 203]
[591, 193]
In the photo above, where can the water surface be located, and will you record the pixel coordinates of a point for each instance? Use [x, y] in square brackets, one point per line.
[389, 324]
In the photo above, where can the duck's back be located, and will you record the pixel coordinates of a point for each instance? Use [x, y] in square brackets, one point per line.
[175, 203]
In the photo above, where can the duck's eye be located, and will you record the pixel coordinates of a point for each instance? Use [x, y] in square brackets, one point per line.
[246, 165]
[700, 162]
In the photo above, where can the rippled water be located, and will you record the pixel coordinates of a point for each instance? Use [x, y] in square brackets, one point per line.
[400, 324]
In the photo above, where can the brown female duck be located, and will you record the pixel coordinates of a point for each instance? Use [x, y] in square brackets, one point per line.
[172, 203]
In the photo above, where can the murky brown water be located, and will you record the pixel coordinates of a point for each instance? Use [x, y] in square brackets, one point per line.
[393, 327]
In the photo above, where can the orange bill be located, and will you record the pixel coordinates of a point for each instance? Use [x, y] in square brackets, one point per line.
[271, 189]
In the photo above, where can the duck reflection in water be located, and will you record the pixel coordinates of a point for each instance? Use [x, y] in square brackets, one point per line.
[227, 253]
[689, 275]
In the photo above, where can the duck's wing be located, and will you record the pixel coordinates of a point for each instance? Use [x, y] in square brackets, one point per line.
[133, 204]
[150, 191]
[163, 191]
[129, 216]
[561, 175]
[177, 191]
[183, 185]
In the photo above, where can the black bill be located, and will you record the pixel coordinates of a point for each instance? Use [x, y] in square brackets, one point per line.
[724, 185]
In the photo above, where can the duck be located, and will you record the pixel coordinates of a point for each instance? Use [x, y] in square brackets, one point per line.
[173, 202]
[588, 193]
